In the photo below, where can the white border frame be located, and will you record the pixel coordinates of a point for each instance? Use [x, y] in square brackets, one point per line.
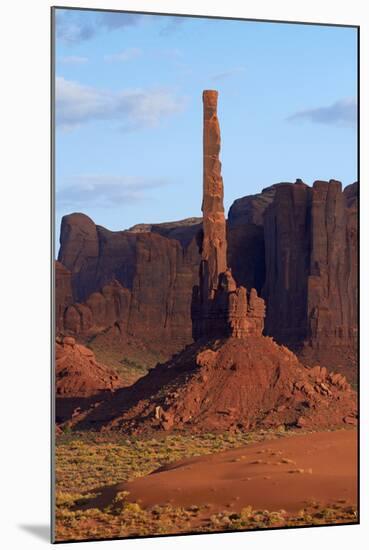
[25, 275]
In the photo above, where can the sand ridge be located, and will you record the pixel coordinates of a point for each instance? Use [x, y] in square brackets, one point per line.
[287, 473]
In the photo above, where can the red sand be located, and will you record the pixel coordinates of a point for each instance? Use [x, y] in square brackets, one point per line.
[287, 473]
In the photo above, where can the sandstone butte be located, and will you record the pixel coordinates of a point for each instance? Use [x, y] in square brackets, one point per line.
[296, 245]
[232, 377]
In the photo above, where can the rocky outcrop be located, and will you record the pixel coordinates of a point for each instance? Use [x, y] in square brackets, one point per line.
[232, 384]
[102, 309]
[311, 265]
[220, 308]
[80, 381]
[77, 373]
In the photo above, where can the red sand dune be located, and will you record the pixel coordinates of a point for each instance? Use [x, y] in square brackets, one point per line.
[286, 473]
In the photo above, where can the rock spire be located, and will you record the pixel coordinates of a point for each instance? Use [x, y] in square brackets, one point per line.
[214, 245]
[220, 307]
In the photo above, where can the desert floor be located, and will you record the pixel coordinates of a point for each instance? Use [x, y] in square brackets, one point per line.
[109, 485]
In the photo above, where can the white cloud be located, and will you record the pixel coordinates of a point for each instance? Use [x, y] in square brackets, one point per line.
[342, 113]
[73, 26]
[105, 190]
[73, 60]
[77, 104]
[125, 55]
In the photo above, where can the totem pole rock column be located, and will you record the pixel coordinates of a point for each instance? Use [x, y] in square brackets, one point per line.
[214, 246]
[219, 307]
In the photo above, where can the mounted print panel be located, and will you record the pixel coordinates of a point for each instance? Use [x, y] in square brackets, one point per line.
[206, 274]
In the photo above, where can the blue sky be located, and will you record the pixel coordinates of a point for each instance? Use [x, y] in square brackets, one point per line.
[129, 110]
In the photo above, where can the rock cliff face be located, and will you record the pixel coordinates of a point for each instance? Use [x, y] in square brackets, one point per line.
[102, 309]
[332, 282]
[63, 293]
[139, 281]
[94, 255]
[311, 265]
[245, 236]
[287, 230]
